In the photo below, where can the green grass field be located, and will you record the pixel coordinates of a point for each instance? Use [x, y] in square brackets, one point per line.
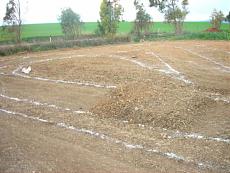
[54, 29]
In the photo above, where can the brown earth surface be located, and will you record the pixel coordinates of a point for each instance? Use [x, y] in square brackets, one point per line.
[212, 30]
[147, 107]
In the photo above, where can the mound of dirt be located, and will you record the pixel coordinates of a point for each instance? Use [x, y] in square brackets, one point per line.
[212, 30]
[159, 104]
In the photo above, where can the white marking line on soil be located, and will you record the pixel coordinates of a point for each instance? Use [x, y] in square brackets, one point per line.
[169, 70]
[205, 46]
[223, 67]
[53, 59]
[1, 67]
[122, 51]
[16, 73]
[179, 134]
[219, 97]
[25, 116]
[139, 63]
[4, 74]
[171, 134]
[169, 155]
[26, 57]
[36, 103]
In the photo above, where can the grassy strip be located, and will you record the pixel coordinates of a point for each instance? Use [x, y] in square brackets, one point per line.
[8, 50]
[205, 36]
[186, 36]
[59, 43]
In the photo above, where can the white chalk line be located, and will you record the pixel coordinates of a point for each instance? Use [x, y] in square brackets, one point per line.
[26, 57]
[4, 74]
[193, 135]
[53, 59]
[25, 116]
[215, 97]
[139, 63]
[177, 134]
[37, 103]
[223, 67]
[2, 67]
[16, 73]
[172, 134]
[122, 51]
[219, 97]
[187, 135]
[205, 46]
[170, 70]
[169, 155]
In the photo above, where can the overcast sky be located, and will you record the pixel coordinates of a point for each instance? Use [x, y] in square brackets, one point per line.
[47, 11]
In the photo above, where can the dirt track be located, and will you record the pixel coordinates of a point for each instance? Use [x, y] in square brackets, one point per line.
[148, 107]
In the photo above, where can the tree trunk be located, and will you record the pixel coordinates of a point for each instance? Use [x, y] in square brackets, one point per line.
[19, 34]
[178, 28]
[19, 23]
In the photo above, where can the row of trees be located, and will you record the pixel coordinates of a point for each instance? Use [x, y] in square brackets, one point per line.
[175, 12]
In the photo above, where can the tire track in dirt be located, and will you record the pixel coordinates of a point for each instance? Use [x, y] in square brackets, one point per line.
[130, 146]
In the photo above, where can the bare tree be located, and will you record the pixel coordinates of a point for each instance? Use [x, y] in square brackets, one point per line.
[12, 19]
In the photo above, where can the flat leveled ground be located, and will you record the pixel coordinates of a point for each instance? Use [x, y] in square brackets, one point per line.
[147, 107]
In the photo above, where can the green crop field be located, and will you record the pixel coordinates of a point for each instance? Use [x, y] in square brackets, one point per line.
[54, 29]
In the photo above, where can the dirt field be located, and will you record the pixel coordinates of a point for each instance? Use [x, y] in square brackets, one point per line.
[148, 108]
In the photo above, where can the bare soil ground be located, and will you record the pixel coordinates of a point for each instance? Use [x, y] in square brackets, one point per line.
[148, 107]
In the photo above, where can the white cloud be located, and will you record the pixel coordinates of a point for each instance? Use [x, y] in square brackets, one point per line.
[44, 11]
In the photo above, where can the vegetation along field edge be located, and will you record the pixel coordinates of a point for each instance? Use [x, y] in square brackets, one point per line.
[54, 29]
